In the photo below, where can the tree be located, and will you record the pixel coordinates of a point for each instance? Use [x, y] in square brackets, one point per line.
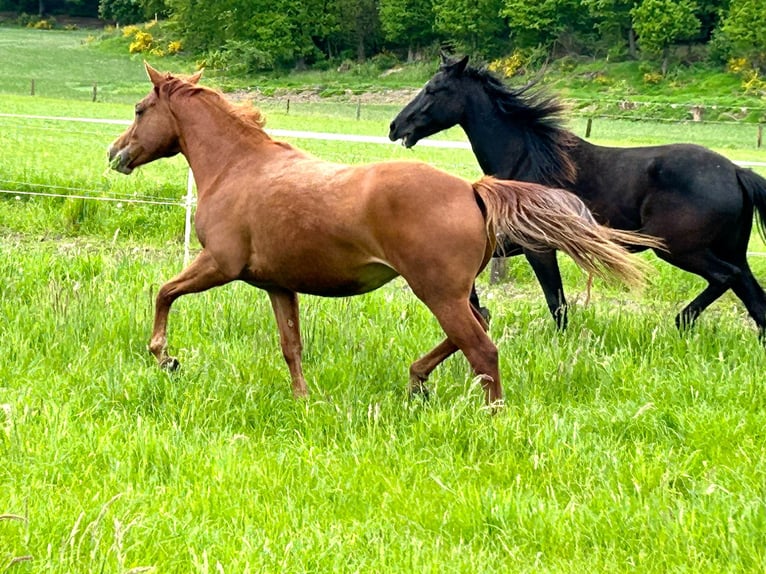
[547, 23]
[662, 23]
[474, 25]
[745, 27]
[121, 11]
[407, 23]
[614, 23]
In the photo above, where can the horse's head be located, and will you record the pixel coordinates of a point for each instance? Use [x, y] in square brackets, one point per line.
[438, 106]
[154, 131]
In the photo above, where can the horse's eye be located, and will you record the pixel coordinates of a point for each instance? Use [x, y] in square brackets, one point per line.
[139, 111]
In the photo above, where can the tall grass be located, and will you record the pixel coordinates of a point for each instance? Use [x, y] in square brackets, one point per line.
[623, 446]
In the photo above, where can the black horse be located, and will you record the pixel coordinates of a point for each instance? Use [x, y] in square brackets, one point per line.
[697, 201]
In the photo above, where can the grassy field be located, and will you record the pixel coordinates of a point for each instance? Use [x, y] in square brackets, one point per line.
[623, 446]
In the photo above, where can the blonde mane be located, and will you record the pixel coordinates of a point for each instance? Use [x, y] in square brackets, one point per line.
[245, 112]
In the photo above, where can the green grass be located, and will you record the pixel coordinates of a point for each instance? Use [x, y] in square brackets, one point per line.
[623, 446]
[66, 64]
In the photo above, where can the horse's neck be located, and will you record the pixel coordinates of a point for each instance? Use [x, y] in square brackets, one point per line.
[211, 138]
[497, 145]
[502, 146]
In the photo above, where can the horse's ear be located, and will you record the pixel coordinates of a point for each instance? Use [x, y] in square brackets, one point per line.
[460, 65]
[454, 66]
[195, 77]
[156, 77]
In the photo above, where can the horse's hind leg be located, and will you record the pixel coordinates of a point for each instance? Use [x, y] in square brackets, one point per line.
[200, 275]
[474, 299]
[746, 287]
[423, 367]
[686, 318]
[285, 305]
[465, 331]
[719, 274]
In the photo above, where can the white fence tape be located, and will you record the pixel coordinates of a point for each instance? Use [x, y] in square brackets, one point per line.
[189, 200]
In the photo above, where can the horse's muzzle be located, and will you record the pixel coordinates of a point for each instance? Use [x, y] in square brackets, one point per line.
[395, 132]
[119, 160]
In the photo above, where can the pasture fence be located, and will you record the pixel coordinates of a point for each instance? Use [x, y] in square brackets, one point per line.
[623, 108]
[188, 201]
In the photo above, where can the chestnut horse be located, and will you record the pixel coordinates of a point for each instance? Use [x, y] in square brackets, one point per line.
[286, 222]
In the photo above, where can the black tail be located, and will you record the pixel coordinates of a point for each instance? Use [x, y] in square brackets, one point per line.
[755, 186]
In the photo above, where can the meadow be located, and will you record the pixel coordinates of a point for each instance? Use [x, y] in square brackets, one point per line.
[623, 445]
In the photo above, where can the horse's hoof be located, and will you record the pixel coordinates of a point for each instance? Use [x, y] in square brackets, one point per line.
[170, 364]
[420, 391]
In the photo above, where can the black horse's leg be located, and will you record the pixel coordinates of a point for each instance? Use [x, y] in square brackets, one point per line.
[719, 274]
[546, 268]
[746, 287]
[689, 314]
[474, 299]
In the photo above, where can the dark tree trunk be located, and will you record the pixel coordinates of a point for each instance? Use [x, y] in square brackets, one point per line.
[632, 44]
[360, 49]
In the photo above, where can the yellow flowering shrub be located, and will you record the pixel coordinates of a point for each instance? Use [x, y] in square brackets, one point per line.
[736, 65]
[129, 31]
[508, 65]
[142, 42]
[42, 25]
[652, 78]
[752, 83]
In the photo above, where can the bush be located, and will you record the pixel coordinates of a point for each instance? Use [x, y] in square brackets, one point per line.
[509, 65]
[385, 61]
[42, 25]
[142, 42]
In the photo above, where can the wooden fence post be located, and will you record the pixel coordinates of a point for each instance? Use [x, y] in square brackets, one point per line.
[287, 111]
[588, 126]
[358, 108]
[32, 89]
[759, 140]
[498, 268]
[95, 91]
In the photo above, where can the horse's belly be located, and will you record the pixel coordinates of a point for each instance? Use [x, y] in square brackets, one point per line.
[314, 278]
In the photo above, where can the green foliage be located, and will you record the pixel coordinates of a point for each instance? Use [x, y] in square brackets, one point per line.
[745, 28]
[566, 22]
[124, 12]
[662, 23]
[407, 22]
[474, 26]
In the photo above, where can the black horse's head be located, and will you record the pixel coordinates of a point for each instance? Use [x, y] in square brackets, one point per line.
[438, 106]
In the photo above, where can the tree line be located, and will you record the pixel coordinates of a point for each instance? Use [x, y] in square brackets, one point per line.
[269, 34]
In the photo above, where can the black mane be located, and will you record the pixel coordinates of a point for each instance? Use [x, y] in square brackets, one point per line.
[539, 117]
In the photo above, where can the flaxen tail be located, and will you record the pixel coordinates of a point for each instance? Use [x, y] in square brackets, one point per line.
[755, 187]
[539, 217]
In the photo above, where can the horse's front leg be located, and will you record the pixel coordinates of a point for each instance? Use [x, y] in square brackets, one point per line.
[546, 268]
[200, 275]
[285, 305]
